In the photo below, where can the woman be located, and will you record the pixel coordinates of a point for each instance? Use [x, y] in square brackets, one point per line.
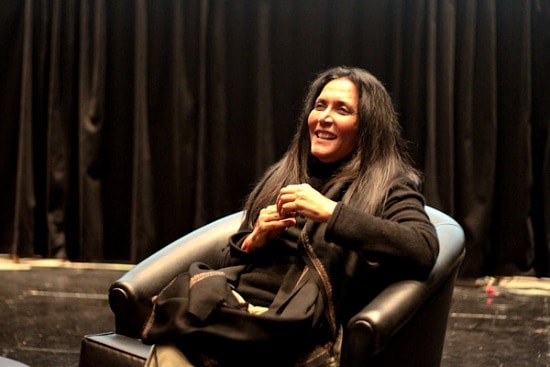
[338, 216]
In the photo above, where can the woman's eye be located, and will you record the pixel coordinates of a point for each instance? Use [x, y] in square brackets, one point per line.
[344, 111]
[320, 106]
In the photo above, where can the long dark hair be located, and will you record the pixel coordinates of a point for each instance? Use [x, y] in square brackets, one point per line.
[380, 160]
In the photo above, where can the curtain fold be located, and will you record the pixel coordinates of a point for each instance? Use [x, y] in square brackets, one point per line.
[24, 203]
[141, 221]
[172, 116]
[213, 174]
[476, 128]
[265, 128]
[59, 127]
[440, 148]
[541, 135]
[513, 247]
[124, 125]
[204, 40]
[12, 27]
[91, 64]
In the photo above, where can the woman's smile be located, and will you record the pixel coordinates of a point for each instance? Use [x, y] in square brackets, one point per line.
[325, 135]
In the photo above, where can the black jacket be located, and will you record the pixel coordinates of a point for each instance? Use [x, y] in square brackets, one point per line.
[354, 254]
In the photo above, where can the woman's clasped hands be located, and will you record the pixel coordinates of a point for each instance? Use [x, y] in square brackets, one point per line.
[293, 200]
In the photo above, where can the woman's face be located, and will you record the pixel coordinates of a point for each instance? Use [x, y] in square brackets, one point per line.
[333, 122]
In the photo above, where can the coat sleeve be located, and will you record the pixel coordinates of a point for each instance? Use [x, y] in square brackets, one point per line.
[232, 254]
[402, 234]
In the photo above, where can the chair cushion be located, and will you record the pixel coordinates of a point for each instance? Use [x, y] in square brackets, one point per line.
[114, 350]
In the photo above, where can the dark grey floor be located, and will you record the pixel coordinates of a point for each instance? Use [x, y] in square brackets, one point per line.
[45, 311]
[507, 327]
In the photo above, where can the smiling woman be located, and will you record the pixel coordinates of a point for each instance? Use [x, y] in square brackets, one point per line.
[330, 221]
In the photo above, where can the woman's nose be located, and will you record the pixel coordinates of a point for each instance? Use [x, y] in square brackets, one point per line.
[325, 117]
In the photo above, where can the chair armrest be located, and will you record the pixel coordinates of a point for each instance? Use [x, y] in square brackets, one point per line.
[385, 314]
[369, 331]
[130, 296]
[403, 326]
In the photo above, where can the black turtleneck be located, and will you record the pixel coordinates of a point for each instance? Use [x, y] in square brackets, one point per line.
[320, 173]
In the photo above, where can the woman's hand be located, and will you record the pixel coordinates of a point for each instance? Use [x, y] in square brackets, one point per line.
[306, 201]
[268, 226]
[293, 200]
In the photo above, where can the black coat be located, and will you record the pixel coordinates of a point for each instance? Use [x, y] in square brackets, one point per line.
[354, 254]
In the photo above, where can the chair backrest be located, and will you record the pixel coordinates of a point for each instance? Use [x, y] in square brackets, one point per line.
[451, 239]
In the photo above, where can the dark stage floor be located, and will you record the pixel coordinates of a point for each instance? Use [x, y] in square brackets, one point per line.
[47, 306]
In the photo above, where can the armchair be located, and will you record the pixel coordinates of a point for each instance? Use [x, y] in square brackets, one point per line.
[404, 325]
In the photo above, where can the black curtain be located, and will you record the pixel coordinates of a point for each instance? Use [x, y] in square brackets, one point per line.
[126, 124]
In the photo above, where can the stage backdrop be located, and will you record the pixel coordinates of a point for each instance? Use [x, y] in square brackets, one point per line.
[126, 124]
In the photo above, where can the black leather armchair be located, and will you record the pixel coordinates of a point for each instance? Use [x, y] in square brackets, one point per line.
[404, 325]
